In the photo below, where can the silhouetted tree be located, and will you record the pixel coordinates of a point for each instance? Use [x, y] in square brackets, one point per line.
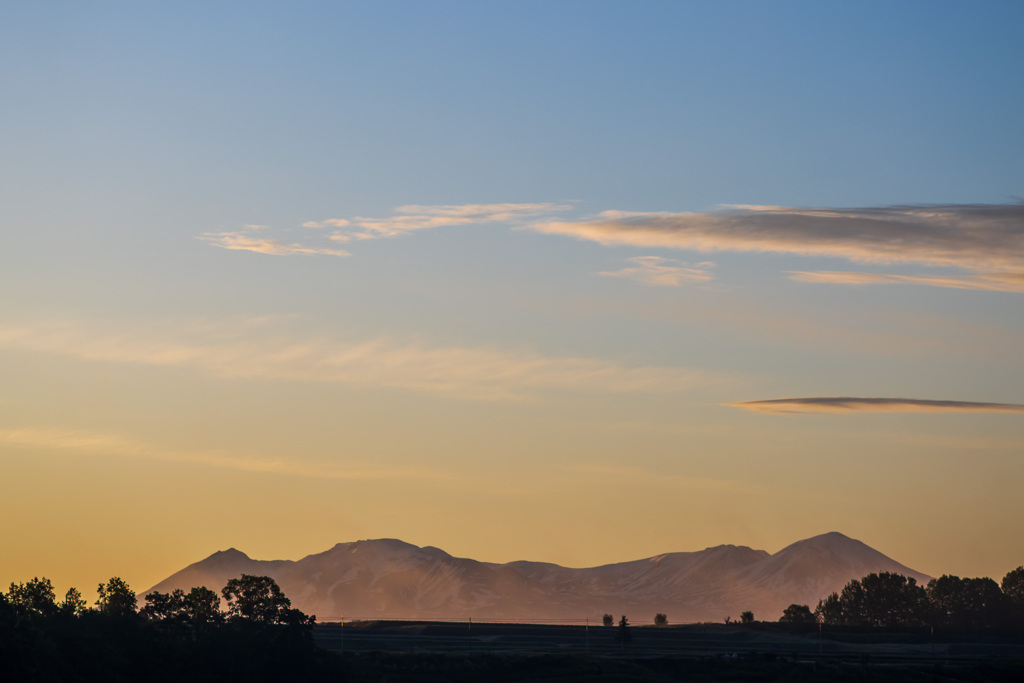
[257, 599]
[660, 619]
[853, 600]
[199, 607]
[623, 634]
[33, 597]
[892, 600]
[74, 603]
[1013, 587]
[966, 604]
[607, 620]
[747, 617]
[116, 598]
[202, 607]
[883, 599]
[164, 606]
[830, 610]
[797, 615]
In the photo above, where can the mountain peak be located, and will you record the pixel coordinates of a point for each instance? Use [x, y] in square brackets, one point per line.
[835, 555]
[833, 541]
[831, 537]
[727, 548]
[231, 556]
[384, 543]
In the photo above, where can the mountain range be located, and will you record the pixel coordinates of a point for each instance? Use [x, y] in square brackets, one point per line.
[391, 579]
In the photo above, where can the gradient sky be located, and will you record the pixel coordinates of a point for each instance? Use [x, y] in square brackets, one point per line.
[579, 282]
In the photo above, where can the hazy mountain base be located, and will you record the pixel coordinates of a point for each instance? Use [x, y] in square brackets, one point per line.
[387, 578]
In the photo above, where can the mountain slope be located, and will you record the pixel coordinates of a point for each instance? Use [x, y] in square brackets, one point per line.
[388, 578]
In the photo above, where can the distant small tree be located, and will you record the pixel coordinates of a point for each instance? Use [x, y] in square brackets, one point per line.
[116, 598]
[728, 620]
[607, 620]
[797, 615]
[623, 634]
[660, 619]
[747, 617]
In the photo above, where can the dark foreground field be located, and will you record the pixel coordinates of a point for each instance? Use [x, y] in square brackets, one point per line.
[403, 651]
[449, 668]
[129, 649]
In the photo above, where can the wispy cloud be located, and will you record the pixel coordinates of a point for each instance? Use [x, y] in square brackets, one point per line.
[105, 444]
[994, 282]
[985, 239]
[845, 404]
[329, 223]
[256, 350]
[248, 241]
[414, 217]
[662, 272]
[407, 219]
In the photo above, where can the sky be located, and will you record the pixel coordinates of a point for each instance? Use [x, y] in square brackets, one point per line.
[576, 282]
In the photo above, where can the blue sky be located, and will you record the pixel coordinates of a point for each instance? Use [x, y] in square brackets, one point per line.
[424, 296]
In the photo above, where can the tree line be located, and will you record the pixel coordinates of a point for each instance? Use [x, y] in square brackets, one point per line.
[887, 600]
[256, 635]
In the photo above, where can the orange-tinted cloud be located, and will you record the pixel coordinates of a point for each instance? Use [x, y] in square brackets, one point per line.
[975, 237]
[414, 217]
[407, 219]
[244, 241]
[994, 282]
[846, 404]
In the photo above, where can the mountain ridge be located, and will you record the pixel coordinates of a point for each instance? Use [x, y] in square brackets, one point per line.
[390, 578]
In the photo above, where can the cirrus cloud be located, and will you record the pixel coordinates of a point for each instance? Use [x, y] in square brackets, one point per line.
[983, 238]
[993, 282]
[409, 218]
[106, 444]
[257, 349]
[847, 404]
[663, 272]
[414, 217]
